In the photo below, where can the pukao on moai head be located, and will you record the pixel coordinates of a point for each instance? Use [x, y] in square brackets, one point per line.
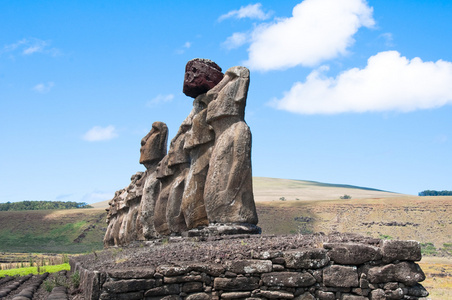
[153, 145]
[201, 75]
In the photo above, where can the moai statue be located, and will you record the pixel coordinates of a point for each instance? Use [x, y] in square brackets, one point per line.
[112, 220]
[201, 75]
[179, 163]
[153, 149]
[198, 141]
[132, 195]
[165, 176]
[228, 192]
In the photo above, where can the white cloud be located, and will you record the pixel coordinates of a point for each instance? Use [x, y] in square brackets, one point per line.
[98, 133]
[317, 31]
[236, 40]
[389, 82]
[31, 46]
[252, 11]
[43, 88]
[160, 99]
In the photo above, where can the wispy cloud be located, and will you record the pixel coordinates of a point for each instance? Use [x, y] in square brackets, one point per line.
[31, 46]
[252, 11]
[98, 133]
[187, 45]
[389, 82]
[388, 38]
[318, 30]
[160, 99]
[43, 88]
[236, 40]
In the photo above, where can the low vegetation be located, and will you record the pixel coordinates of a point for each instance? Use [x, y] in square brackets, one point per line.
[435, 193]
[34, 270]
[41, 205]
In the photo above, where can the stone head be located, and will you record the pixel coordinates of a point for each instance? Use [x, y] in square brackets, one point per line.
[229, 96]
[200, 76]
[153, 145]
[162, 169]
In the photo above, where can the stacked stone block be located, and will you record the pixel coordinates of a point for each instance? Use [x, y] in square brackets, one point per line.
[346, 271]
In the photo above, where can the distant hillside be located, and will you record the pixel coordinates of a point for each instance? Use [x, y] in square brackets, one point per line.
[41, 205]
[272, 189]
[52, 231]
[307, 207]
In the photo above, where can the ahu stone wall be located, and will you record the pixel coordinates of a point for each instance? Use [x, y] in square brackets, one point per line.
[346, 271]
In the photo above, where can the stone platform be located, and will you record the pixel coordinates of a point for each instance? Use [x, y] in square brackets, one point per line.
[346, 270]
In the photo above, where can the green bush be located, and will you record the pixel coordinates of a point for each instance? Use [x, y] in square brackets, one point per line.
[428, 249]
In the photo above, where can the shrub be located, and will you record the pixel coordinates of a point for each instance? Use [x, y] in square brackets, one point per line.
[346, 197]
[75, 279]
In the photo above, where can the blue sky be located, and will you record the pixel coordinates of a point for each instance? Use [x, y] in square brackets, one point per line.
[342, 91]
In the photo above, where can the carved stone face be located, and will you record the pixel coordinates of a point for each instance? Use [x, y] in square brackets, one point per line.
[177, 154]
[200, 132]
[162, 168]
[200, 76]
[153, 145]
[231, 99]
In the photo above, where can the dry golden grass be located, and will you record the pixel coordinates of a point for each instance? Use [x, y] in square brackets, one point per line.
[439, 277]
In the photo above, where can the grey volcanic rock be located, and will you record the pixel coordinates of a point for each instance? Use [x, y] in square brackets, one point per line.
[352, 253]
[200, 76]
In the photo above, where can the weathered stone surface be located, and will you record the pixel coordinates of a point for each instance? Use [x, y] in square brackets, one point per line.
[321, 295]
[352, 253]
[199, 296]
[172, 270]
[228, 192]
[401, 250]
[378, 294]
[417, 291]
[191, 287]
[235, 295]
[250, 266]
[394, 294]
[408, 273]
[236, 284]
[276, 294]
[268, 255]
[171, 289]
[353, 297]
[340, 276]
[310, 258]
[210, 269]
[183, 278]
[131, 285]
[288, 279]
[134, 273]
[200, 76]
[305, 296]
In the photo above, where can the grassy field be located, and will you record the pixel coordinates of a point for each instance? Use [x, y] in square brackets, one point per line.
[52, 231]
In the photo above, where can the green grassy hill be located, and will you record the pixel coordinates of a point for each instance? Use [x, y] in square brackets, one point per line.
[52, 231]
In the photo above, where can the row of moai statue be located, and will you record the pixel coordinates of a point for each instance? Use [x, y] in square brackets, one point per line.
[203, 185]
